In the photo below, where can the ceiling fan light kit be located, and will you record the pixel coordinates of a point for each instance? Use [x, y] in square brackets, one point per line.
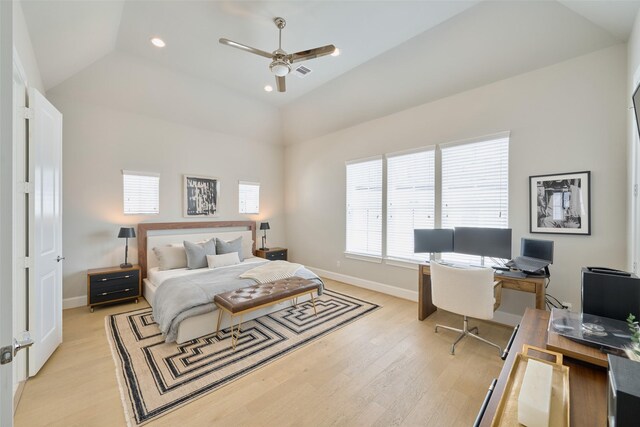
[280, 60]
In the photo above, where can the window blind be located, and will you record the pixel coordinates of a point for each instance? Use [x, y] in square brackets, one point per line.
[364, 207]
[410, 201]
[475, 187]
[249, 197]
[141, 191]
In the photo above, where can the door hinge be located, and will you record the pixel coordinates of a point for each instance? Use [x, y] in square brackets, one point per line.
[635, 190]
[25, 187]
[26, 112]
[28, 262]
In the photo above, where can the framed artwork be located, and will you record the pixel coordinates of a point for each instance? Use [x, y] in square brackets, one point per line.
[201, 195]
[560, 204]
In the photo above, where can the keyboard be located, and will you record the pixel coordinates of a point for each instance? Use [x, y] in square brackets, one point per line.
[513, 274]
[529, 264]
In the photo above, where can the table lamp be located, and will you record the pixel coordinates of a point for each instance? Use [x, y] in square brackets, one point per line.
[126, 232]
[264, 226]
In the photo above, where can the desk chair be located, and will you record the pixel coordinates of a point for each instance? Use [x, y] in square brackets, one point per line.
[465, 291]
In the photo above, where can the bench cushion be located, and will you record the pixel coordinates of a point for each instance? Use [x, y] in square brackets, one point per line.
[265, 293]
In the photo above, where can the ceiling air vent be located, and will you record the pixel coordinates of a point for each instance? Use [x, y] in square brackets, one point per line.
[302, 71]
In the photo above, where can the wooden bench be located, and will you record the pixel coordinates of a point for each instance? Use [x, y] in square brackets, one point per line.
[251, 298]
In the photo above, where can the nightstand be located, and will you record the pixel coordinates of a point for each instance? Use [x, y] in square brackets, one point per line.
[272, 254]
[107, 285]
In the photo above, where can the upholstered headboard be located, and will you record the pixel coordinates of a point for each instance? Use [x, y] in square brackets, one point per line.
[154, 234]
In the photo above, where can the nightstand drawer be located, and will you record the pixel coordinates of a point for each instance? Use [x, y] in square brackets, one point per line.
[277, 255]
[110, 293]
[116, 278]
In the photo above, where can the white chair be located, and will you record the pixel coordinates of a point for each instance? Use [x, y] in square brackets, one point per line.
[465, 291]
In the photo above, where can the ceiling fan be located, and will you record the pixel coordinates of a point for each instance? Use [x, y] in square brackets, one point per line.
[280, 60]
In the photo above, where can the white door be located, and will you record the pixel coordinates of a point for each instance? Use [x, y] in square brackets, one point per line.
[45, 280]
[6, 217]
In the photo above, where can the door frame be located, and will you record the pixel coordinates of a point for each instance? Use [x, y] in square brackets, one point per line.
[21, 239]
[6, 201]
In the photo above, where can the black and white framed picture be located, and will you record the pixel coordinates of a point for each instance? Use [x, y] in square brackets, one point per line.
[561, 203]
[201, 195]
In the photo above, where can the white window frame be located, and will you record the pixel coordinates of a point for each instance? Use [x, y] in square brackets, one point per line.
[395, 259]
[125, 195]
[240, 196]
[438, 207]
[364, 256]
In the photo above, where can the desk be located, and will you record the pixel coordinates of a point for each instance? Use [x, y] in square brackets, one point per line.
[588, 383]
[533, 285]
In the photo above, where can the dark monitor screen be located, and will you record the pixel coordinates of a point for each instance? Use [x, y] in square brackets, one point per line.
[433, 240]
[491, 242]
[540, 249]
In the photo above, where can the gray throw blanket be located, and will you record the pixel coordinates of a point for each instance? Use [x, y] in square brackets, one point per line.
[179, 298]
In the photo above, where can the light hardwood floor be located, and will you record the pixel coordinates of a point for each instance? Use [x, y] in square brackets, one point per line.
[387, 368]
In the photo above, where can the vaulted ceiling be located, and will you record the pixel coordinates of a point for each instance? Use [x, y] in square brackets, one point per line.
[397, 53]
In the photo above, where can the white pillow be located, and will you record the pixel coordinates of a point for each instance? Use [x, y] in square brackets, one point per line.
[216, 261]
[247, 248]
[170, 257]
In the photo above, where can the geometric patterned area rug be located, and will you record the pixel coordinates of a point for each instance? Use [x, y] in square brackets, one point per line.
[157, 377]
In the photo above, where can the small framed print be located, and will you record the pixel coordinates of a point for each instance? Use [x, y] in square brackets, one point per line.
[201, 195]
[560, 203]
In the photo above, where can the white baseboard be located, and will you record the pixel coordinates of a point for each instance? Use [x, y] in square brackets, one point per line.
[499, 316]
[74, 302]
[367, 284]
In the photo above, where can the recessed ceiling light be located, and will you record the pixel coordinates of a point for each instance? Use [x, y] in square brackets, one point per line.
[268, 88]
[158, 42]
[336, 52]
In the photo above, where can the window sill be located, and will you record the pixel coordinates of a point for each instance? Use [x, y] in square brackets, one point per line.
[403, 263]
[361, 257]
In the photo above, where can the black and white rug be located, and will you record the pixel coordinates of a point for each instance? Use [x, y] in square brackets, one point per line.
[156, 378]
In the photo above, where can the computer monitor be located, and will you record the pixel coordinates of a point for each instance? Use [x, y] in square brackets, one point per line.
[539, 249]
[491, 242]
[433, 240]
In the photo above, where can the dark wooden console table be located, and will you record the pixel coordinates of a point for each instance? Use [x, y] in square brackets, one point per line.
[534, 285]
[587, 383]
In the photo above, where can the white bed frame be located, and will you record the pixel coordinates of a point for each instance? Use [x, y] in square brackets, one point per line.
[151, 235]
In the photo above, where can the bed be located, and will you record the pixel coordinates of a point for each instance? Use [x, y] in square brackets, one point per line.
[161, 287]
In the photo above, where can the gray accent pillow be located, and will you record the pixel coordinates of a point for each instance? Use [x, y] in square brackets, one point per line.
[197, 253]
[235, 245]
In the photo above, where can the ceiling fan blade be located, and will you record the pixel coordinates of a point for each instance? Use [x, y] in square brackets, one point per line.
[245, 48]
[280, 84]
[312, 53]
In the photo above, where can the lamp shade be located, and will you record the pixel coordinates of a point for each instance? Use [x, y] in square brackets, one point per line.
[127, 232]
[264, 226]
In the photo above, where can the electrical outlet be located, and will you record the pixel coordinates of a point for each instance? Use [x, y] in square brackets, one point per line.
[567, 305]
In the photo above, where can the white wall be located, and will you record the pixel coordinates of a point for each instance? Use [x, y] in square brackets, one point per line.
[633, 149]
[99, 142]
[24, 48]
[564, 118]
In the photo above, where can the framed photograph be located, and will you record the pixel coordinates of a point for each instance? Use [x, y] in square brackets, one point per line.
[201, 195]
[561, 203]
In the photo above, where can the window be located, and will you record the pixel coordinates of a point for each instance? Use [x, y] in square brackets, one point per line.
[475, 187]
[464, 184]
[249, 197]
[364, 207]
[141, 191]
[410, 200]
